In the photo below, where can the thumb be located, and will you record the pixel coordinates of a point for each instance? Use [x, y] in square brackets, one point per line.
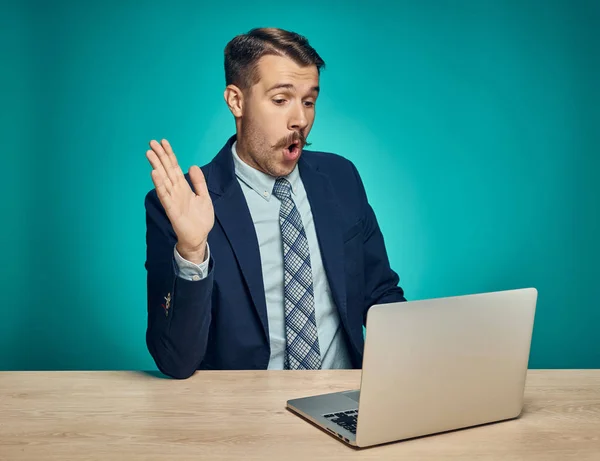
[198, 181]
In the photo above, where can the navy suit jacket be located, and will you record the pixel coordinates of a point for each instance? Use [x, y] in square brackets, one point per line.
[220, 322]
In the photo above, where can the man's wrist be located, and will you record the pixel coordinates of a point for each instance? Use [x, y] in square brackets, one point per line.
[196, 256]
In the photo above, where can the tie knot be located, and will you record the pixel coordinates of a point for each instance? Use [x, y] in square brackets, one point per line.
[282, 189]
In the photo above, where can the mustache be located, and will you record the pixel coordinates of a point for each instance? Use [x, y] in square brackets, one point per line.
[295, 136]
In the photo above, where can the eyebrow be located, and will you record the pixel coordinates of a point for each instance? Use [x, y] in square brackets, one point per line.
[289, 86]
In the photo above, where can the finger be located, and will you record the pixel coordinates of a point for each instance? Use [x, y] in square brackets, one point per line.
[174, 163]
[198, 181]
[165, 160]
[160, 179]
[161, 190]
[156, 163]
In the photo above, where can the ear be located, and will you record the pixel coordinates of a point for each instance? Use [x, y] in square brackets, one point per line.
[235, 100]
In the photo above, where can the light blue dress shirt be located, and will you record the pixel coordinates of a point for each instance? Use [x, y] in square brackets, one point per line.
[264, 209]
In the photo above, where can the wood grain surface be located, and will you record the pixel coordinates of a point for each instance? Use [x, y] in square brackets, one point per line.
[241, 415]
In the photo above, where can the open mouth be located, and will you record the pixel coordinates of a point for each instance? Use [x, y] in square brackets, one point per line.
[292, 151]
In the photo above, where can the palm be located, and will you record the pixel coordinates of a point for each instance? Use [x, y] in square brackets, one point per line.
[190, 211]
[191, 215]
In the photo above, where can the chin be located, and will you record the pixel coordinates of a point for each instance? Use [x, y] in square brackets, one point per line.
[280, 169]
[284, 170]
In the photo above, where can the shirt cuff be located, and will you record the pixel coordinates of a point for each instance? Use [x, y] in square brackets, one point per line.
[190, 271]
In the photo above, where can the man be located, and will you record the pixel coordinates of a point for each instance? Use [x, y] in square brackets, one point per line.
[269, 256]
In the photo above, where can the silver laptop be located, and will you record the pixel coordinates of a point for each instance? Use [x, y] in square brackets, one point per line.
[432, 366]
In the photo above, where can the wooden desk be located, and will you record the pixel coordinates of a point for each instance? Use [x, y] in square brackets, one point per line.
[241, 415]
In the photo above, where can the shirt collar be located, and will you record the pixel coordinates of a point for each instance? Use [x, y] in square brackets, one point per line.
[258, 181]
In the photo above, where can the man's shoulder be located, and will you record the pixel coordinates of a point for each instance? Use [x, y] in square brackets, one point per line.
[340, 171]
[329, 162]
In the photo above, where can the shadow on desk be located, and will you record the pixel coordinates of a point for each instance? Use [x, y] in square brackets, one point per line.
[153, 374]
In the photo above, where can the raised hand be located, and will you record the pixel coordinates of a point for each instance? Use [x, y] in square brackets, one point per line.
[190, 211]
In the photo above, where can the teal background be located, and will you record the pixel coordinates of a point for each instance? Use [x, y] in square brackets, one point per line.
[475, 127]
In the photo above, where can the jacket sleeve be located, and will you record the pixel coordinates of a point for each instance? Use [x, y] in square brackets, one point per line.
[179, 310]
[381, 282]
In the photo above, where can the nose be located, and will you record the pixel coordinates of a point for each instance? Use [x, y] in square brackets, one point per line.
[298, 120]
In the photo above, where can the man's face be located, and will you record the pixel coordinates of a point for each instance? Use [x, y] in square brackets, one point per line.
[277, 114]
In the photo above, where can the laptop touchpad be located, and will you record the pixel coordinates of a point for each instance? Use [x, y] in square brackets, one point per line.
[354, 395]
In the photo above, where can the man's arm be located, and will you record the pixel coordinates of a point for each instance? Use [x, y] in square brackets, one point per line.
[381, 282]
[179, 309]
[179, 217]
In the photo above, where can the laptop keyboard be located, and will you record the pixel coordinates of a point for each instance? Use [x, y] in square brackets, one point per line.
[346, 419]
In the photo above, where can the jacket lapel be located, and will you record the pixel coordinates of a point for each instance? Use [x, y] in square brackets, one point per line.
[231, 210]
[326, 215]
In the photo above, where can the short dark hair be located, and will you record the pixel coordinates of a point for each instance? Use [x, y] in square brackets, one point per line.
[243, 52]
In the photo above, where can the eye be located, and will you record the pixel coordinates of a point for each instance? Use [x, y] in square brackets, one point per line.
[309, 103]
[279, 102]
